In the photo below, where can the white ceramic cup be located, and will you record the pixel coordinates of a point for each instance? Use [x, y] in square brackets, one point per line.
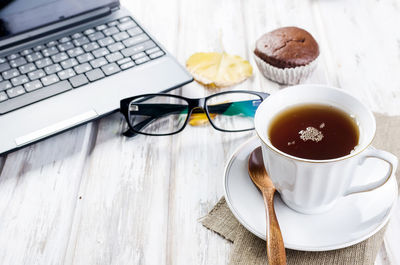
[313, 186]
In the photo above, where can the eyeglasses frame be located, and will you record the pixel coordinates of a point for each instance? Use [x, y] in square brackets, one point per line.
[193, 103]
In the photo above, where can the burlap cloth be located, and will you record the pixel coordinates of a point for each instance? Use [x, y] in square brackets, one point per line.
[249, 249]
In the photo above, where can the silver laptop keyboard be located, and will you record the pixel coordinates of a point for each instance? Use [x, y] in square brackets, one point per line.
[57, 66]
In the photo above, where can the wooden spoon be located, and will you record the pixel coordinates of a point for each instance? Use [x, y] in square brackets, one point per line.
[275, 248]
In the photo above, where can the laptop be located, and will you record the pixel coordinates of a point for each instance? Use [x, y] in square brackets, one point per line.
[66, 62]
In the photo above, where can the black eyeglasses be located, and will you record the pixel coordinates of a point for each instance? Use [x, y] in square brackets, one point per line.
[165, 114]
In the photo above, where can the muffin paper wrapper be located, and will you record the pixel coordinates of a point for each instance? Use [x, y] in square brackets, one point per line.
[287, 76]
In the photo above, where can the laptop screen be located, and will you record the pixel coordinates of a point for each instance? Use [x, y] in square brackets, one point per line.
[17, 16]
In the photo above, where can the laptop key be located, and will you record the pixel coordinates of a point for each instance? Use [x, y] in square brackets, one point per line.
[51, 69]
[17, 62]
[135, 31]
[34, 96]
[66, 46]
[4, 67]
[126, 25]
[43, 62]
[27, 68]
[152, 50]
[106, 41]
[156, 55]
[81, 41]
[123, 61]
[95, 74]
[77, 35]
[101, 27]
[59, 57]
[79, 80]
[64, 39]
[15, 91]
[50, 51]
[10, 74]
[142, 60]
[13, 56]
[127, 65]
[100, 52]
[5, 85]
[110, 31]
[114, 57]
[82, 68]
[89, 31]
[138, 55]
[90, 46]
[124, 19]
[34, 57]
[38, 48]
[3, 96]
[135, 40]
[96, 36]
[36, 74]
[69, 63]
[115, 47]
[85, 57]
[111, 68]
[26, 52]
[75, 52]
[65, 74]
[138, 48]
[2, 60]
[50, 79]
[33, 85]
[19, 80]
[113, 23]
[120, 36]
[98, 62]
[52, 43]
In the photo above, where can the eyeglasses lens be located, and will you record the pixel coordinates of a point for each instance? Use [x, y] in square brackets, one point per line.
[158, 115]
[233, 111]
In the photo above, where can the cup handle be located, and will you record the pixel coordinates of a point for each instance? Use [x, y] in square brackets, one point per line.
[378, 154]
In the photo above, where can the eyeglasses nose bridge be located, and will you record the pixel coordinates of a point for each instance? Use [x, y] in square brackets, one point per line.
[197, 103]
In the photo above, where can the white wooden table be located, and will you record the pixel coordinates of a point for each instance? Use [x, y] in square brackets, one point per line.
[91, 196]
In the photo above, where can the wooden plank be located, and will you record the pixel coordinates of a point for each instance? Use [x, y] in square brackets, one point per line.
[202, 152]
[357, 36]
[38, 194]
[122, 216]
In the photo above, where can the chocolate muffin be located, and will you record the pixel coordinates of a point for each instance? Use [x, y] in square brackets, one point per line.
[286, 55]
[287, 47]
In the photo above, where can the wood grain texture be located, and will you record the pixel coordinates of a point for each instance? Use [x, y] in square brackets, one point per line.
[90, 196]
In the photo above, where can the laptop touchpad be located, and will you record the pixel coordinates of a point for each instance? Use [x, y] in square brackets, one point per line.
[56, 127]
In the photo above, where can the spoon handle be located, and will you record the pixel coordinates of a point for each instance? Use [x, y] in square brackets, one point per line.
[275, 247]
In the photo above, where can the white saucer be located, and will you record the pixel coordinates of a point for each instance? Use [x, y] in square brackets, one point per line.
[353, 219]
